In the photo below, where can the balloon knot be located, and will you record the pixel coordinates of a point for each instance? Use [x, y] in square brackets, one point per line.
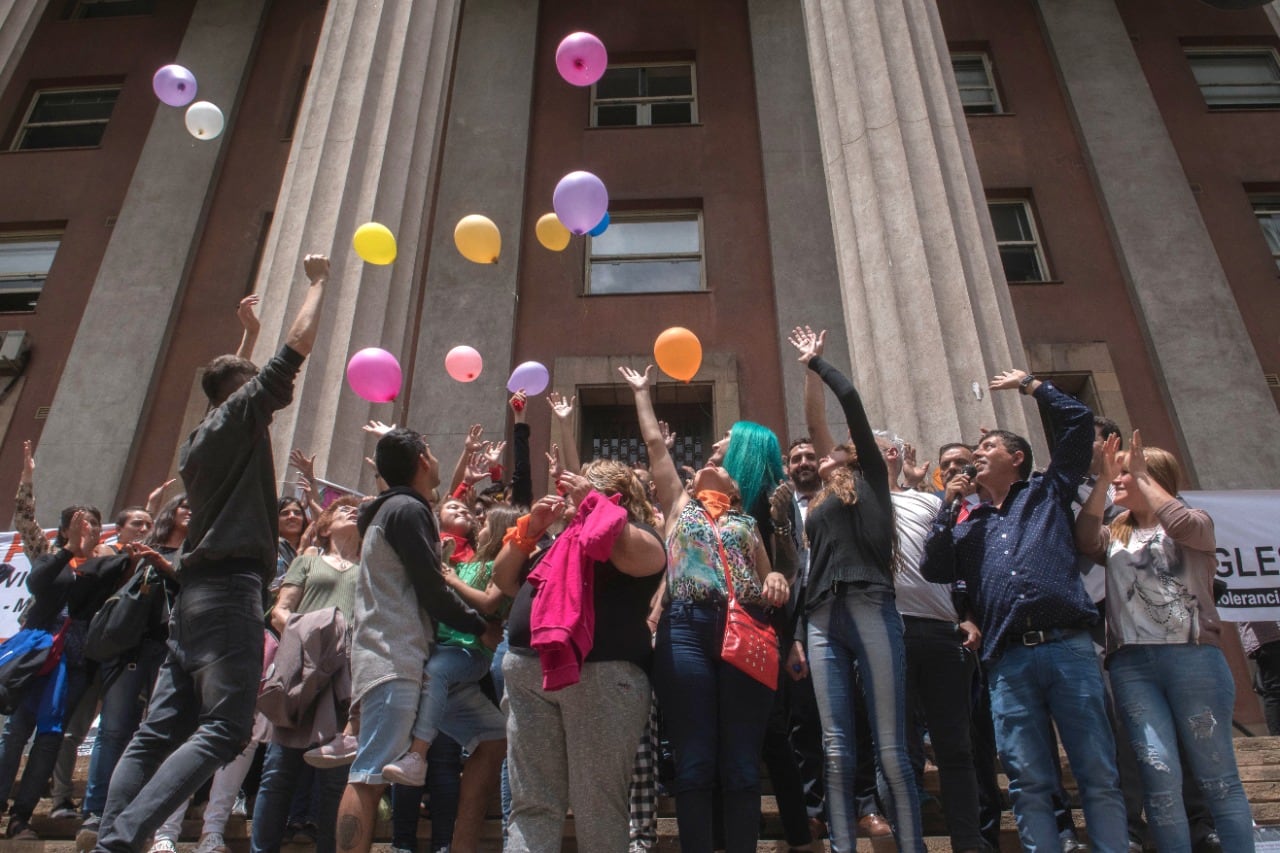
[578, 63]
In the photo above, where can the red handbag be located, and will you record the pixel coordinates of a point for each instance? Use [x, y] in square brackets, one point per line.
[749, 644]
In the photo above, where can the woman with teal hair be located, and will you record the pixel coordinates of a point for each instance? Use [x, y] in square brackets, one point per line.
[753, 458]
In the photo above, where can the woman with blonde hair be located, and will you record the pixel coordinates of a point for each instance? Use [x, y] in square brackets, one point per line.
[1171, 682]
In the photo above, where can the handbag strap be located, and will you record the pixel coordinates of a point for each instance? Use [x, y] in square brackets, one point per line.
[724, 558]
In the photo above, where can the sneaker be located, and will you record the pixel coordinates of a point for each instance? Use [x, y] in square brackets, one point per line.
[64, 809]
[409, 769]
[87, 837]
[211, 842]
[339, 752]
[20, 830]
[241, 808]
[163, 845]
[1070, 844]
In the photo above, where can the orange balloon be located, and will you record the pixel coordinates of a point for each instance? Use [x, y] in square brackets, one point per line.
[678, 353]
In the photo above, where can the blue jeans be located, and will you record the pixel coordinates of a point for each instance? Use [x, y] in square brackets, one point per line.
[281, 771]
[201, 712]
[1033, 688]
[1171, 695]
[44, 749]
[449, 667]
[444, 786]
[863, 628]
[716, 716]
[126, 689]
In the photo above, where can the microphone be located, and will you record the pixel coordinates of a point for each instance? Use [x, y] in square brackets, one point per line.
[967, 471]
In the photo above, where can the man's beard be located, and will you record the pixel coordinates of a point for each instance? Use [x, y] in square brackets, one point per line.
[805, 478]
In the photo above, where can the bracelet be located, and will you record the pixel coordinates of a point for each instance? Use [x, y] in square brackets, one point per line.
[519, 536]
[1025, 382]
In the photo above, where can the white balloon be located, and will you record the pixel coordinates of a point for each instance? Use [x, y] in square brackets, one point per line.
[204, 120]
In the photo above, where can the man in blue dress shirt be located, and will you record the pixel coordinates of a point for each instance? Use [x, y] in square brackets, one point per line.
[1016, 554]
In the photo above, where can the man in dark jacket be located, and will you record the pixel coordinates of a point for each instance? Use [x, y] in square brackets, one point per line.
[201, 711]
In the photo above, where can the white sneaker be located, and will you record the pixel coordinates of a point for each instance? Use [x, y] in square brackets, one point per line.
[163, 845]
[211, 842]
[409, 769]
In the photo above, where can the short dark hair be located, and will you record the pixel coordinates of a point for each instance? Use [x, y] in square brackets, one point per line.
[1107, 427]
[221, 373]
[796, 442]
[396, 456]
[123, 515]
[952, 446]
[1013, 443]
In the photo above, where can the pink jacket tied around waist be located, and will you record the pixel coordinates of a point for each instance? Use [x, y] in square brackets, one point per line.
[563, 618]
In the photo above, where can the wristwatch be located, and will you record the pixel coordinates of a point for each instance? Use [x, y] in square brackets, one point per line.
[1025, 382]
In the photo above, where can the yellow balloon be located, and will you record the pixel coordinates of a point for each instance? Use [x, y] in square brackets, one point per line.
[477, 238]
[374, 243]
[678, 352]
[551, 233]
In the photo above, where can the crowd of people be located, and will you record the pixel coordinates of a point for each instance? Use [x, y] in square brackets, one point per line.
[295, 656]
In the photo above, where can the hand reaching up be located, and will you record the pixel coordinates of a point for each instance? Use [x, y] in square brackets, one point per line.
[807, 342]
[637, 380]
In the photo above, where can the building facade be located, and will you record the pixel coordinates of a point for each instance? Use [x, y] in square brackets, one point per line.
[1088, 188]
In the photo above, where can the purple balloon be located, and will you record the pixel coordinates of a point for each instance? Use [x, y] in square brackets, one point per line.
[581, 59]
[374, 374]
[580, 201]
[530, 376]
[174, 85]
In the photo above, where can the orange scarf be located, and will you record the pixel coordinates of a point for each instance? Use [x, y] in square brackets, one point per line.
[715, 503]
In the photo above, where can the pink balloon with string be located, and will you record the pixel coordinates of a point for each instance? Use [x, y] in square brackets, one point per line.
[581, 59]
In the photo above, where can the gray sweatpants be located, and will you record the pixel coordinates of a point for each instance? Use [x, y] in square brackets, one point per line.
[572, 747]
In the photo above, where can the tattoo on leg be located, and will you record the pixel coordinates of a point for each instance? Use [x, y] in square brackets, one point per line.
[349, 832]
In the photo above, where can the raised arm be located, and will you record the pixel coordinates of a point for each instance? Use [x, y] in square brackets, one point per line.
[811, 345]
[471, 445]
[302, 334]
[1072, 423]
[1091, 533]
[563, 410]
[671, 494]
[1191, 528]
[24, 511]
[521, 469]
[249, 321]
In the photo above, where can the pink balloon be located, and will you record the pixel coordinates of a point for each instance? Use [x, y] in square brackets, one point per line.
[581, 59]
[463, 363]
[530, 376]
[174, 85]
[374, 374]
[580, 201]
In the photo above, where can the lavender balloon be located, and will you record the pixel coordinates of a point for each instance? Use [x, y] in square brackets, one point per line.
[530, 376]
[580, 201]
[581, 59]
[174, 85]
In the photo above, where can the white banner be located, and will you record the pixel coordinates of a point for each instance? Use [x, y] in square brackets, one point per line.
[1247, 526]
[13, 589]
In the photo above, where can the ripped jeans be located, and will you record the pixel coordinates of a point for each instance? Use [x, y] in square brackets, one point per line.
[1182, 695]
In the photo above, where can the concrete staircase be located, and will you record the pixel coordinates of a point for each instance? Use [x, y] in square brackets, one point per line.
[1259, 760]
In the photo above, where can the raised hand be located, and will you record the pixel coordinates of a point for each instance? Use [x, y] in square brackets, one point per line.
[474, 441]
[807, 342]
[561, 407]
[378, 428]
[477, 468]
[248, 319]
[668, 437]
[28, 463]
[518, 402]
[81, 536]
[554, 465]
[1135, 459]
[637, 380]
[1009, 379]
[493, 452]
[305, 464]
[573, 485]
[912, 473]
[544, 513]
[316, 268]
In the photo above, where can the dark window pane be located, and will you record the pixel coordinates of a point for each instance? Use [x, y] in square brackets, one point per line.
[668, 81]
[619, 83]
[671, 114]
[1020, 263]
[63, 136]
[1010, 222]
[20, 294]
[74, 106]
[616, 116]
[646, 277]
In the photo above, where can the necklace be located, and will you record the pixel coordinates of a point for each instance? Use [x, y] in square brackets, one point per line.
[339, 562]
[1146, 534]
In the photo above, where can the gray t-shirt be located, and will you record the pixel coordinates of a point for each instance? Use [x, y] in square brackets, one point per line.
[915, 512]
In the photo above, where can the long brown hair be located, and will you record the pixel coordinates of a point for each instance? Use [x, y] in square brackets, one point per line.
[1164, 469]
[611, 477]
[843, 483]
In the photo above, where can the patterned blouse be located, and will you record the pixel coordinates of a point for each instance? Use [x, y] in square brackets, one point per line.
[694, 569]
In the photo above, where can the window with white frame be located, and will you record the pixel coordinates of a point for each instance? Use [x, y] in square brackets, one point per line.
[647, 253]
[108, 8]
[977, 83]
[25, 260]
[1020, 250]
[1237, 79]
[66, 118]
[642, 95]
[1268, 212]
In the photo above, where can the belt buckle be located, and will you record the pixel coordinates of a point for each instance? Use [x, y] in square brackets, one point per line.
[1034, 638]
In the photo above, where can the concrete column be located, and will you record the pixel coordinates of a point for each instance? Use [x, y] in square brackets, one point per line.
[18, 20]
[366, 148]
[482, 171]
[925, 303]
[1211, 377]
[86, 444]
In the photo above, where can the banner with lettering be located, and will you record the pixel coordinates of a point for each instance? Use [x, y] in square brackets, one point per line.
[1247, 527]
[13, 577]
